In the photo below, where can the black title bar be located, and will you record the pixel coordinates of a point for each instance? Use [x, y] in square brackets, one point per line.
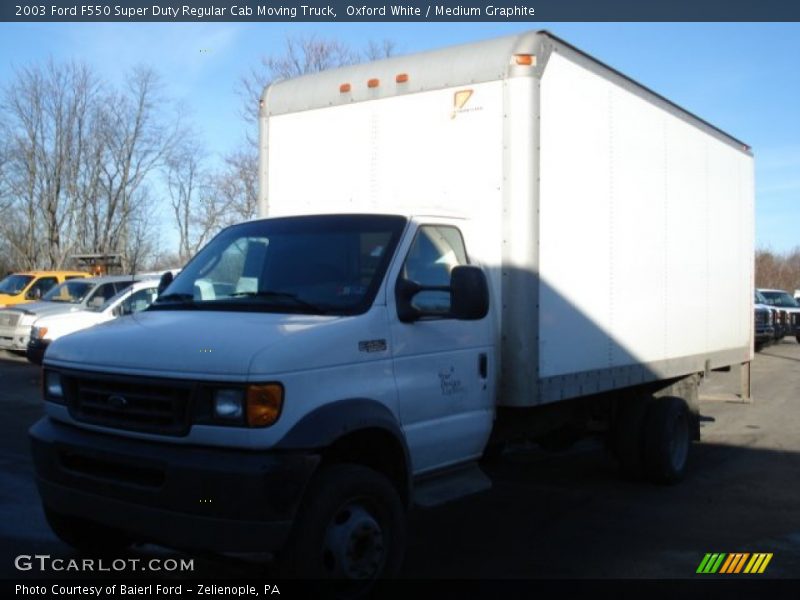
[400, 11]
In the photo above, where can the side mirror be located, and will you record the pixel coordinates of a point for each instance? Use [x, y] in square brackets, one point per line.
[404, 292]
[164, 282]
[34, 294]
[469, 293]
[117, 311]
[469, 296]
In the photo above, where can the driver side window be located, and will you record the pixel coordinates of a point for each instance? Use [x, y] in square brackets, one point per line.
[434, 253]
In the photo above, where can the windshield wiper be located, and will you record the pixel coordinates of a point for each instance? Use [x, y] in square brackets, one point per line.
[275, 294]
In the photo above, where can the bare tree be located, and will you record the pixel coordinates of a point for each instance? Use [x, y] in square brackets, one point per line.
[44, 110]
[75, 158]
[301, 55]
[778, 270]
[199, 209]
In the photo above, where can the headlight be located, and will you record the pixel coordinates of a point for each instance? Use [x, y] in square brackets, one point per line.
[38, 333]
[252, 406]
[52, 384]
[228, 405]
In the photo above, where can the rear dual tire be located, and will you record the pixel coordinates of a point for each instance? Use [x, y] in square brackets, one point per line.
[652, 439]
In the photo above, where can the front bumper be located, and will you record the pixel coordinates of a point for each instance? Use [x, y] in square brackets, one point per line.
[764, 334]
[36, 350]
[183, 497]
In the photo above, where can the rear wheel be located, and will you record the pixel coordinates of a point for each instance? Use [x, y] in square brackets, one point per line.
[351, 527]
[86, 536]
[797, 337]
[667, 440]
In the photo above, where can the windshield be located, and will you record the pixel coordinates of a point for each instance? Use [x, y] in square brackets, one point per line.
[322, 264]
[759, 298]
[14, 284]
[780, 299]
[72, 291]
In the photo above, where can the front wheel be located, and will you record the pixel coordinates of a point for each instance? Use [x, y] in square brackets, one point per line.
[351, 526]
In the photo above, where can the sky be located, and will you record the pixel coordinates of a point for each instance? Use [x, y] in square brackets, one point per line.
[742, 77]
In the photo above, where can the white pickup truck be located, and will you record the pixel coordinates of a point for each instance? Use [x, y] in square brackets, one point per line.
[130, 300]
[416, 295]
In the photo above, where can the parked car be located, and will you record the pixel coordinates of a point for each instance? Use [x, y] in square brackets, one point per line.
[129, 301]
[764, 330]
[30, 286]
[789, 309]
[70, 296]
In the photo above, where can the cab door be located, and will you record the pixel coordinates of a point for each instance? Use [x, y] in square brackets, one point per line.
[442, 368]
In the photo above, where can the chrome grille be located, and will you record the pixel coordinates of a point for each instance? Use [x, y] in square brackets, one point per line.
[148, 406]
[9, 318]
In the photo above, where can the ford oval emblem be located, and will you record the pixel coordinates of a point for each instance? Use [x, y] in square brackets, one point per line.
[118, 401]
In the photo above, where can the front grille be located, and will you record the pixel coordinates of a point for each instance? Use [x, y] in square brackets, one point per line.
[9, 318]
[148, 406]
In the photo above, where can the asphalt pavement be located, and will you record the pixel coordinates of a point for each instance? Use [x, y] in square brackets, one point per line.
[549, 515]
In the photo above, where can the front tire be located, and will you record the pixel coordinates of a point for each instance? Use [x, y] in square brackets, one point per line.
[351, 526]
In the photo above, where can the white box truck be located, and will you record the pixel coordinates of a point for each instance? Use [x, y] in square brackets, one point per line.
[495, 241]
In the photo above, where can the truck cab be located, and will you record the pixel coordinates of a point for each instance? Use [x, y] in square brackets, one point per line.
[788, 307]
[313, 337]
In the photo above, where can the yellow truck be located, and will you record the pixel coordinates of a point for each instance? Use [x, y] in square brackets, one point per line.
[29, 286]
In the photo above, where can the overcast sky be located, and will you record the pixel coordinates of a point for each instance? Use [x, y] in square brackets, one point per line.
[742, 77]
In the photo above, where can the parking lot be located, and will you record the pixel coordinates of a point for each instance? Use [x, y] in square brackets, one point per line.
[548, 515]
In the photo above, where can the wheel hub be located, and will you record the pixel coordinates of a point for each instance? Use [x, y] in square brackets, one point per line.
[354, 544]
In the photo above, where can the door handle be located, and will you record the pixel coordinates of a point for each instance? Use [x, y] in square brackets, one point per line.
[483, 365]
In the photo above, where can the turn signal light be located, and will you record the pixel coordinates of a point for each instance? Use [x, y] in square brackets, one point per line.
[264, 404]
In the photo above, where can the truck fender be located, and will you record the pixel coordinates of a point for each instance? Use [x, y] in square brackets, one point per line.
[326, 425]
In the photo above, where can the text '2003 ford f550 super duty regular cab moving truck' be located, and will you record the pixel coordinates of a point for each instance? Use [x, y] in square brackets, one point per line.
[418, 292]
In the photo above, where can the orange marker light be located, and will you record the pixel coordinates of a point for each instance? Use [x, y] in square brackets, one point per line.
[373, 83]
[401, 78]
[344, 88]
[264, 404]
[527, 60]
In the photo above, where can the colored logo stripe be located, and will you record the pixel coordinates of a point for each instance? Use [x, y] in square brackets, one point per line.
[720, 562]
[711, 563]
[735, 562]
[758, 563]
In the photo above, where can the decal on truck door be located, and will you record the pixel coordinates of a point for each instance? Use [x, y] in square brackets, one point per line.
[449, 383]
